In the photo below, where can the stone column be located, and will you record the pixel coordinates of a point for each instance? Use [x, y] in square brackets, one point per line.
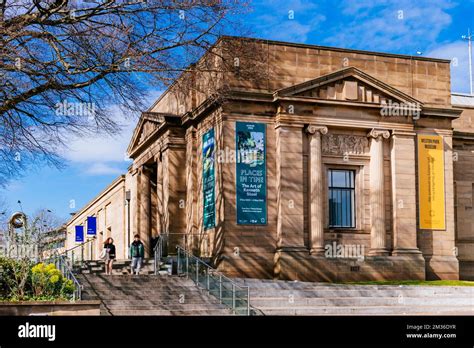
[315, 188]
[403, 173]
[289, 188]
[144, 186]
[159, 195]
[377, 193]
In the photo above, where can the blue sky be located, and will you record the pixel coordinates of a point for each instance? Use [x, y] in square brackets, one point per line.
[431, 27]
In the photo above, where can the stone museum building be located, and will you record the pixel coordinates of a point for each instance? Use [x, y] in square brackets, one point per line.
[336, 165]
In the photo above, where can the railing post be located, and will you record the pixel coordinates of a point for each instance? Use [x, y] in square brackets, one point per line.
[187, 265]
[208, 285]
[248, 300]
[220, 288]
[178, 266]
[233, 297]
[197, 271]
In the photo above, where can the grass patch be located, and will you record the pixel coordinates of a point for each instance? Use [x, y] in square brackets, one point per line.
[415, 282]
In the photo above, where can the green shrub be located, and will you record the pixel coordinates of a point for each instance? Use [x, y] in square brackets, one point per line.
[15, 278]
[47, 281]
[22, 280]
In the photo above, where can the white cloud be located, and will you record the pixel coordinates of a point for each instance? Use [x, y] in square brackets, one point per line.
[102, 169]
[287, 20]
[404, 26]
[458, 53]
[104, 148]
[104, 154]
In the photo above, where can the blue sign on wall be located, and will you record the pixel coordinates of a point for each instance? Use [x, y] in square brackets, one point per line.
[91, 226]
[208, 180]
[251, 173]
[79, 234]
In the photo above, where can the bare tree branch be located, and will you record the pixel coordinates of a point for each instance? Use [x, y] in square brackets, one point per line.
[61, 58]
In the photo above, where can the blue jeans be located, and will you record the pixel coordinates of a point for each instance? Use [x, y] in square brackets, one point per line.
[136, 263]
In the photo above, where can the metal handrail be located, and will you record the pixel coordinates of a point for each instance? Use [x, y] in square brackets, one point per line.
[65, 252]
[157, 254]
[209, 271]
[61, 263]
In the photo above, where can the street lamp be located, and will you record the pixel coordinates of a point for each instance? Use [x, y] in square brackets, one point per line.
[468, 37]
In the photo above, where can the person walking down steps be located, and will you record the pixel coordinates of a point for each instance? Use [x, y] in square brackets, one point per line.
[109, 255]
[137, 253]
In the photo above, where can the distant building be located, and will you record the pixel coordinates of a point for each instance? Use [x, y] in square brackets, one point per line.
[2, 239]
[52, 242]
[335, 150]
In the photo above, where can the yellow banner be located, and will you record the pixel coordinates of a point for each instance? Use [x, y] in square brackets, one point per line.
[431, 182]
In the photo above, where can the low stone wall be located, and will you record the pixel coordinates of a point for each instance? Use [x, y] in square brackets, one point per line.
[28, 308]
[466, 270]
[304, 267]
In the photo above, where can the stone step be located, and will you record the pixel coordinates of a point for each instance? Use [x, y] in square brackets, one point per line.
[156, 312]
[143, 295]
[119, 267]
[361, 301]
[170, 297]
[257, 284]
[138, 286]
[136, 279]
[158, 302]
[270, 297]
[373, 310]
[170, 307]
[354, 293]
[115, 272]
[149, 295]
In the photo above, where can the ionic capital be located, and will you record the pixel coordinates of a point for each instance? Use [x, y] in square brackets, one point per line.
[375, 133]
[312, 129]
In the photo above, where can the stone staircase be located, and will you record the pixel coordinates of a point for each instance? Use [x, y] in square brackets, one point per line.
[148, 295]
[120, 267]
[268, 297]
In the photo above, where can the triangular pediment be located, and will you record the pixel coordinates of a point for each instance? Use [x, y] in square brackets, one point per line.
[147, 125]
[347, 85]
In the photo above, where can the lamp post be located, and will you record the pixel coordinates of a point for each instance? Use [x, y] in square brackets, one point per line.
[468, 37]
[127, 201]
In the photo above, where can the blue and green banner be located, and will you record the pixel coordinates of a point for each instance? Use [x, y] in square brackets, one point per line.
[208, 180]
[251, 173]
[79, 234]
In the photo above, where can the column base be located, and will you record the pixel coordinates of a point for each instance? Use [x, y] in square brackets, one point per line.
[295, 248]
[406, 251]
[442, 267]
[318, 251]
[378, 252]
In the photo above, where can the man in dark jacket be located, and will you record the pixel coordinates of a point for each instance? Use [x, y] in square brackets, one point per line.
[137, 253]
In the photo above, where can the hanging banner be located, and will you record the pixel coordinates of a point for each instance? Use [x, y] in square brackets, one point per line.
[79, 234]
[431, 182]
[251, 173]
[208, 180]
[91, 226]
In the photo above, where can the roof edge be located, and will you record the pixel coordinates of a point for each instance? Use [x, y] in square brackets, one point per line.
[114, 183]
[339, 49]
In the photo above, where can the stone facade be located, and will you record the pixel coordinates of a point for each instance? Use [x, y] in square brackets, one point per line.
[109, 207]
[323, 109]
[463, 157]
